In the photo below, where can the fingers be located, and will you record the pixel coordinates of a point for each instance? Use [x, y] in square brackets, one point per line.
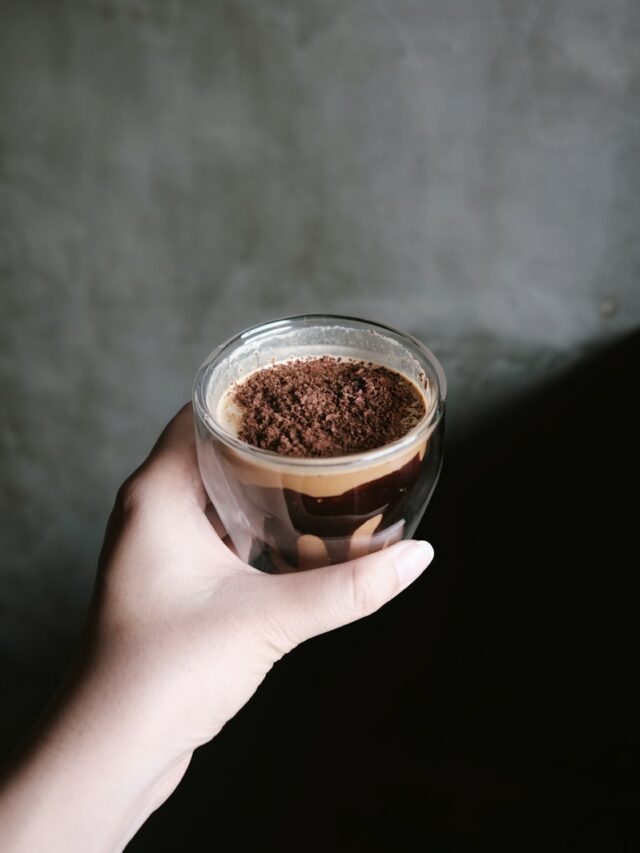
[177, 439]
[319, 600]
[173, 464]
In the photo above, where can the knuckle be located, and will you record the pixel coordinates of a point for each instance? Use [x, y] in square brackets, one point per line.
[363, 593]
[279, 637]
[281, 625]
[132, 493]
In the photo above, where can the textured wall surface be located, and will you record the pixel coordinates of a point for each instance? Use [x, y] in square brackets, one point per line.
[171, 172]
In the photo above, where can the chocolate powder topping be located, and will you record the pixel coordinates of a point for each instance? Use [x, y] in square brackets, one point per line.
[325, 406]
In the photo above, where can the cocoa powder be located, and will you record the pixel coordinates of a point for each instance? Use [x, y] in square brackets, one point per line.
[325, 406]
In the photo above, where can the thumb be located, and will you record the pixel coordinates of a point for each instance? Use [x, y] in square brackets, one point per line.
[319, 600]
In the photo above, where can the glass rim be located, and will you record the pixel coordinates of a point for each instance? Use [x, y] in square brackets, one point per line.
[425, 425]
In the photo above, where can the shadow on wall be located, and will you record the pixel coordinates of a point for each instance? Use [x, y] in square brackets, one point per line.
[492, 704]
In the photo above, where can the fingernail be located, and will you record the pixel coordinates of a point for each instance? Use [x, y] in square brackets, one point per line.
[412, 560]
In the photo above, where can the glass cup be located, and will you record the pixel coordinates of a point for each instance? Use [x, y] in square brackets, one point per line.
[286, 514]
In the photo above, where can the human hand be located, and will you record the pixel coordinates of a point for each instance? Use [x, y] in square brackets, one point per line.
[180, 635]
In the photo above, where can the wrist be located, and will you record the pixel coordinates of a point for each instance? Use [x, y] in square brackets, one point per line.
[95, 768]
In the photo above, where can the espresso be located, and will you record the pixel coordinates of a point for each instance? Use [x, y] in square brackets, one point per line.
[323, 408]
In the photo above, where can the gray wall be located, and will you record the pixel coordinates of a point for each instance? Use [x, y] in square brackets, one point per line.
[171, 172]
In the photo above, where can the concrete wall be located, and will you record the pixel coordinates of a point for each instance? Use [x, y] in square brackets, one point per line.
[171, 172]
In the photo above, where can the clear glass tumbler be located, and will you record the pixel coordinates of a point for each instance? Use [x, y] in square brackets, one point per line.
[287, 514]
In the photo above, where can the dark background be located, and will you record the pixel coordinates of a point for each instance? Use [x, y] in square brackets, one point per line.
[492, 707]
[173, 172]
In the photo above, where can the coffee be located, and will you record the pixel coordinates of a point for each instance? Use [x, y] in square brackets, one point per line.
[319, 438]
[322, 407]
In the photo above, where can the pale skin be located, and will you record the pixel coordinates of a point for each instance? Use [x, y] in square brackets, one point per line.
[179, 635]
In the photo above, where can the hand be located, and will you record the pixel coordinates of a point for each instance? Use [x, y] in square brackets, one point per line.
[180, 634]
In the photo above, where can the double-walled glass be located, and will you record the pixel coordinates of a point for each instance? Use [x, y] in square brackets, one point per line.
[286, 514]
